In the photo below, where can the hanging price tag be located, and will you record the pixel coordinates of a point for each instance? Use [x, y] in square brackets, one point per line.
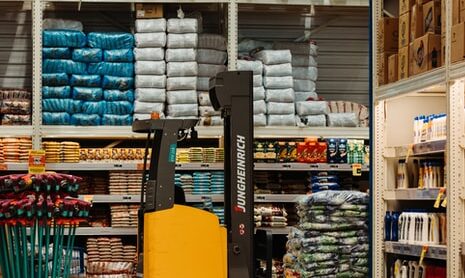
[409, 152]
[357, 170]
[439, 197]
[444, 203]
[424, 250]
[36, 162]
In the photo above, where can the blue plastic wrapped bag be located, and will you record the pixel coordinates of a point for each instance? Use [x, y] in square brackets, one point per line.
[64, 38]
[115, 95]
[117, 83]
[110, 40]
[87, 55]
[63, 66]
[87, 93]
[118, 55]
[61, 118]
[109, 119]
[85, 119]
[118, 107]
[61, 105]
[56, 53]
[54, 79]
[113, 69]
[56, 92]
[94, 107]
[85, 80]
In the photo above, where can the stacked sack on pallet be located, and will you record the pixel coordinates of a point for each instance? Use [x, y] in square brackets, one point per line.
[267, 215]
[259, 105]
[181, 68]
[15, 108]
[304, 68]
[87, 80]
[347, 114]
[278, 83]
[211, 59]
[150, 67]
[331, 239]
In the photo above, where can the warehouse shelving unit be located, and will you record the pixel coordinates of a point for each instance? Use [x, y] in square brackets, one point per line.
[426, 93]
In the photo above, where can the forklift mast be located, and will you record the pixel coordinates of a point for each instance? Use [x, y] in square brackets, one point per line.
[232, 94]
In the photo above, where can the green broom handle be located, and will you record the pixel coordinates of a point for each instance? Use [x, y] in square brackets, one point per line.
[5, 259]
[39, 269]
[47, 244]
[24, 253]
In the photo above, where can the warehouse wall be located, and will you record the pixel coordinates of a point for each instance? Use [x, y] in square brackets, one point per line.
[343, 43]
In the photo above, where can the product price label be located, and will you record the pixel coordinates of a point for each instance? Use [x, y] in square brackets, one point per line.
[357, 170]
[36, 162]
[424, 250]
[444, 203]
[439, 197]
[409, 152]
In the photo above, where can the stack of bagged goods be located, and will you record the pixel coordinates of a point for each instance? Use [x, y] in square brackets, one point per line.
[181, 68]
[202, 183]
[150, 68]
[195, 155]
[211, 59]
[266, 182]
[125, 182]
[312, 112]
[268, 215]
[57, 152]
[87, 80]
[15, 107]
[105, 154]
[347, 114]
[323, 181]
[217, 182]
[123, 216]
[304, 68]
[16, 149]
[94, 184]
[259, 111]
[219, 212]
[331, 238]
[278, 83]
[184, 181]
[108, 257]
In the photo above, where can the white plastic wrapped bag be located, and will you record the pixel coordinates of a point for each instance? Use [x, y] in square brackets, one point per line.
[258, 93]
[181, 83]
[149, 54]
[182, 25]
[149, 67]
[182, 40]
[255, 66]
[303, 96]
[209, 70]
[148, 107]
[211, 121]
[182, 110]
[273, 57]
[181, 97]
[283, 82]
[150, 81]
[281, 120]
[205, 111]
[180, 69]
[304, 85]
[305, 108]
[150, 39]
[246, 45]
[150, 25]
[280, 95]
[211, 56]
[257, 80]
[314, 120]
[306, 73]
[150, 95]
[259, 107]
[301, 48]
[277, 70]
[259, 120]
[62, 24]
[304, 61]
[280, 108]
[204, 98]
[342, 120]
[203, 83]
[181, 55]
[212, 41]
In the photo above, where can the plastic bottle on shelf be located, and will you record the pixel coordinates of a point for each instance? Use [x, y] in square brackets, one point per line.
[395, 226]
[415, 172]
[416, 123]
[424, 129]
[402, 174]
[387, 226]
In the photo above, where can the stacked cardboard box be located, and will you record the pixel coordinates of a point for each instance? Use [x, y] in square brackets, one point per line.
[458, 31]
[387, 42]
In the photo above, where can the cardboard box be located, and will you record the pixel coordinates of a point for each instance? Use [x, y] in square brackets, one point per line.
[416, 22]
[382, 68]
[404, 30]
[149, 11]
[457, 42]
[432, 17]
[405, 6]
[403, 63]
[462, 16]
[455, 13]
[410, 59]
[426, 53]
[388, 35]
[392, 68]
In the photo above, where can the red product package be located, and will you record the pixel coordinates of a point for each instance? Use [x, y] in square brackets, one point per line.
[322, 152]
[302, 152]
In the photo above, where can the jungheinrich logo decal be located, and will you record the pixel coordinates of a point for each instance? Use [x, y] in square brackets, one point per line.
[241, 179]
